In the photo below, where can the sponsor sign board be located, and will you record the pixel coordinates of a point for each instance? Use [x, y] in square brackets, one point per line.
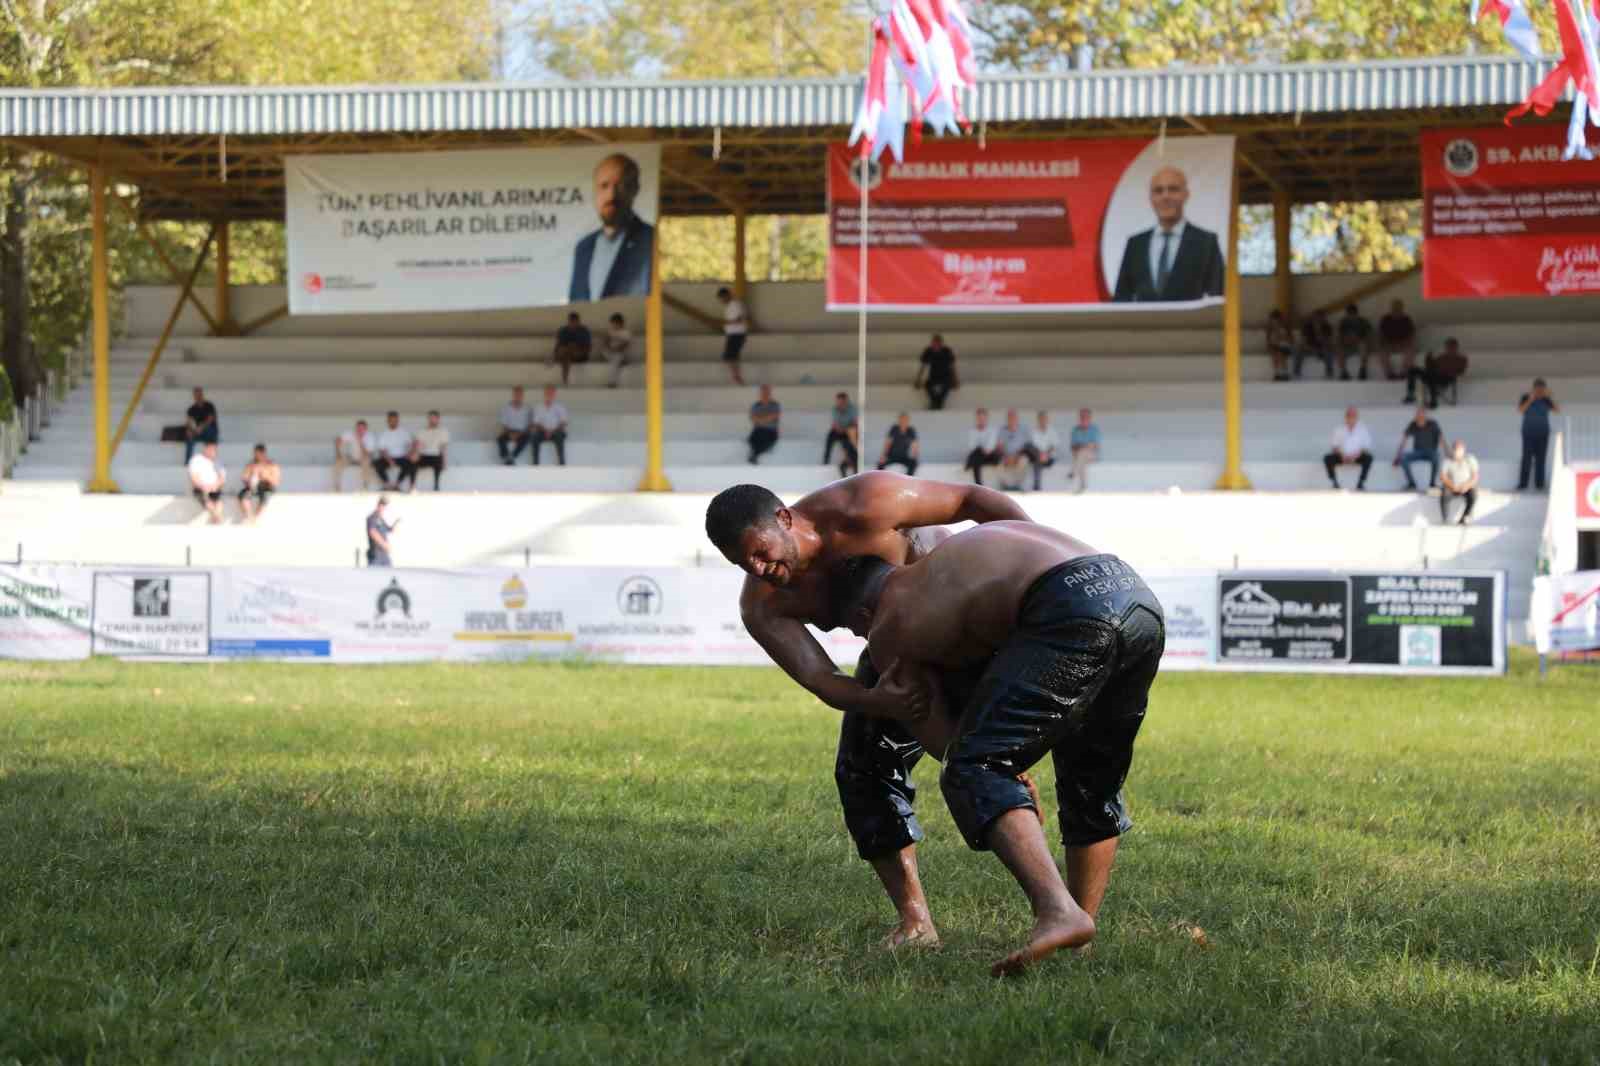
[1272, 618]
[151, 613]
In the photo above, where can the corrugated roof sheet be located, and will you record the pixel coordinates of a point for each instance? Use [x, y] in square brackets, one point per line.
[1394, 85]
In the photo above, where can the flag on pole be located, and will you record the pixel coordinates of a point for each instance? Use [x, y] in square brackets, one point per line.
[920, 47]
[1515, 23]
[1579, 67]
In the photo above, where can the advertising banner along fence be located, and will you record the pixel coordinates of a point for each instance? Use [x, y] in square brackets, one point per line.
[1566, 612]
[1393, 622]
[470, 231]
[1503, 215]
[1033, 225]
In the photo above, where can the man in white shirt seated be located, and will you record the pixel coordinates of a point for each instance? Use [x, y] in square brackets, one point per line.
[206, 480]
[735, 327]
[618, 347]
[515, 418]
[1352, 446]
[354, 447]
[983, 446]
[1458, 479]
[1041, 449]
[397, 448]
[550, 424]
[432, 443]
[1013, 452]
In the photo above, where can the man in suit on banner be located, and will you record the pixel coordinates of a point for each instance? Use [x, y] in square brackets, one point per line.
[614, 260]
[1174, 260]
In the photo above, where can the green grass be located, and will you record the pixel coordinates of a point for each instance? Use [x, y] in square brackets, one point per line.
[593, 864]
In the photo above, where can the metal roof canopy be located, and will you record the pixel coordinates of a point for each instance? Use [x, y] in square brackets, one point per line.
[1323, 131]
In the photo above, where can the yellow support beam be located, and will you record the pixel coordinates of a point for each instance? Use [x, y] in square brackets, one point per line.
[740, 281]
[100, 300]
[256, 323]
[225, 325]
[161, 343]
[173, 273]
[1369, 288]
[1232, 353]
[655, 477]
[1282, 216]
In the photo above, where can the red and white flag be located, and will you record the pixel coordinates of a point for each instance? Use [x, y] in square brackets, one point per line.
[920, 47]
[1515, 23]
[1579, 67]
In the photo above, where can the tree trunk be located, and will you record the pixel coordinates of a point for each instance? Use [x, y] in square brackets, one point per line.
[22, 365]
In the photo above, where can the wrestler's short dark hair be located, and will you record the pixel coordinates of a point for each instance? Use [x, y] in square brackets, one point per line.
[735, 510]
[852, 579]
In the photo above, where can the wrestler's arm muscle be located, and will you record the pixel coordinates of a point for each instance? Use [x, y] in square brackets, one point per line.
[792, 647]
[882, 500]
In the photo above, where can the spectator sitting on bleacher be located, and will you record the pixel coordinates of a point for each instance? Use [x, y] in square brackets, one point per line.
[900, 446]
[573, 344]
[1280, 344]
[515, 418]
[550, 424]
[1352, 446]
[983, 445]
[432, 443]
[842, 429]
[764, 416]
[1085, 444]
[261, 479]
[937, 373]
[1425, 437]
[206, 480]
[200, 424]
[1437, 373]
[1459, 479]
[1316, 341]
[397, 448]
[619, 348]
[1041, 450]
[354, 447]
[1397, 335]
[1013, 452]
[735, 328]
[1355, 338]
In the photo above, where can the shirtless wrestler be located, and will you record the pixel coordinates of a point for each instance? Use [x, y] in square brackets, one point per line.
[1069, 642]
[788, 553]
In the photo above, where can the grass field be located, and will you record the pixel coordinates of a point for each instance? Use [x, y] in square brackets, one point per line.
[597, 864]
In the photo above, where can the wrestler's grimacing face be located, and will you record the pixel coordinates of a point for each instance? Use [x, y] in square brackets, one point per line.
[770, 553]
[613, 193]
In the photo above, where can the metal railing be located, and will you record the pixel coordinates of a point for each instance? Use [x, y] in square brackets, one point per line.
[1583, 438]
[33, 413]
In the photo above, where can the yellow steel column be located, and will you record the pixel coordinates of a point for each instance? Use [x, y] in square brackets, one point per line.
[740, 282]
[655, 478]
[1232, 384]
[1282, 211]
[101, 302]
[225, 325]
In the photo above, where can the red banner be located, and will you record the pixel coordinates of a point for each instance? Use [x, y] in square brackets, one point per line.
[1589, 494]
[1502, 215]
[1033, 225]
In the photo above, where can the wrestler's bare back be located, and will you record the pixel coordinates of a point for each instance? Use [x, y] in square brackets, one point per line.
[958, 605]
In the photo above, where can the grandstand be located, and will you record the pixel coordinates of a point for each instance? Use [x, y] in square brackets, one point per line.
[298, 383]
[1305, 133]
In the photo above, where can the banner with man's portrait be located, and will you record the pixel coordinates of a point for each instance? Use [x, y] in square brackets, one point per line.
[470, 231]
[1033, 225]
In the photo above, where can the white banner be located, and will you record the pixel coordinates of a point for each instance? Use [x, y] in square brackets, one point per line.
[470, 231]
[151, 613]
[44, 612]
[1566, 612]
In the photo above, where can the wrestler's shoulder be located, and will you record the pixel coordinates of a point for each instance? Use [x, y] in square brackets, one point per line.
[845, 501]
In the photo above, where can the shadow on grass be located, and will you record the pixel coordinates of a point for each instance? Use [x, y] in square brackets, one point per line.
[160, 917]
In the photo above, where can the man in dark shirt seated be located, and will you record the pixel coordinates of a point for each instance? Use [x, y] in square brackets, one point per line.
[1438, 372]
[900, 446]
[200, 425]
[937, 373]
[573, 344]
[1397, 335]
[1425, 437]
[1355, 338]
[1316, 341]
[765, 415]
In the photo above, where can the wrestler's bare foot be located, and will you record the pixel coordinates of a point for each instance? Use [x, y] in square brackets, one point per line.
[1051, 933]
[911, 935]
